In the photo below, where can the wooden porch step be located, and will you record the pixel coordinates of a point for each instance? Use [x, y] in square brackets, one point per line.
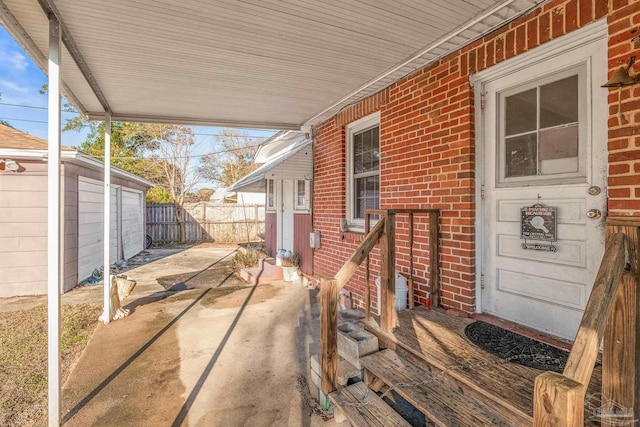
[441, 402]
[375, 413]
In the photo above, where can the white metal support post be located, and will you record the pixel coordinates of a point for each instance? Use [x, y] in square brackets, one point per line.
[53, 221]
[106, 316]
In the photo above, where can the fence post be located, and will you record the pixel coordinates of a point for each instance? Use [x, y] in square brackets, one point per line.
[255, 221]
[328, 334]
[388, 315]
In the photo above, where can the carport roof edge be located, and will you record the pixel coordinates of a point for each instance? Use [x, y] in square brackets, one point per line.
[243, 64]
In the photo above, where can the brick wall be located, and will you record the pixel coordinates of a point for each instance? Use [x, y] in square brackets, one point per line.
[427, 147]
[624, 136]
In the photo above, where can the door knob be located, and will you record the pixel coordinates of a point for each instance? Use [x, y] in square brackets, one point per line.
[594, 213]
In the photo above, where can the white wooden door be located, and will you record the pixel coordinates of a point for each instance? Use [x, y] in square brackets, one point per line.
[133, 233]
[286, 226]
[544, 139]
[90, 229]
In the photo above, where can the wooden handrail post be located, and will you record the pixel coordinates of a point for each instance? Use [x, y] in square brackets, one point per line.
[621, 350]
[558, 401]
[367, 227]
[328, 334]
[434, 257]
[584, 351]
[388, 315]
[411, 290]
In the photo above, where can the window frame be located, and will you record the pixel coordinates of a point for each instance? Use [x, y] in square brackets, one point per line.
[580, 70]
[358, 126]
[270, 203]
[304, 208]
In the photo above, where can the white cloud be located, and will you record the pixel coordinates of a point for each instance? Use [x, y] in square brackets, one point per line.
[13, 87]
[18, 61]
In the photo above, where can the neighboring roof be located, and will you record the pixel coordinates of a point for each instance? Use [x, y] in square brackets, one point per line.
[275, 145]
[13, 138]
[252, 63]
[19, 145]
[253, 181]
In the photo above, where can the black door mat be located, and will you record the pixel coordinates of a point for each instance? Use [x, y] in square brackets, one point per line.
[504, 344]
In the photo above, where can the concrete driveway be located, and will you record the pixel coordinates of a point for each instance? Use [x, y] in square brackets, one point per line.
[199, 348]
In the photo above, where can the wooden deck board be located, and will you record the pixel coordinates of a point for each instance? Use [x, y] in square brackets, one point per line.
[376, 413]
[442, 403]
[439, 339]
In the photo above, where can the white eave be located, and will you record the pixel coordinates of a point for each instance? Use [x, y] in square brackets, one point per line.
[248, 63]
[276, 167]
[74, 157]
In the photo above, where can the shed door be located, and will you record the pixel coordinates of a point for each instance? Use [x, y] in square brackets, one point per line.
[132, 222]
[90, 228]
[545, 143]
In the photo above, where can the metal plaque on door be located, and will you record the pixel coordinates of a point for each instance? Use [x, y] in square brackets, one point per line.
[538, 222]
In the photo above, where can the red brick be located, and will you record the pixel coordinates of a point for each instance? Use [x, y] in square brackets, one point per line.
[586, 11]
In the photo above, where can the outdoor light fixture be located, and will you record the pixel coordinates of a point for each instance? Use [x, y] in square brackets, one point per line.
[622, 78]
[9, 165]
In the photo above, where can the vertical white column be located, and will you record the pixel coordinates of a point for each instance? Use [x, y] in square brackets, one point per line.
[53, 222]
[107, 219]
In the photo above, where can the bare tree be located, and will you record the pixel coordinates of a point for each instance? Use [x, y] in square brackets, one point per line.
[233, 158]
[171, 148]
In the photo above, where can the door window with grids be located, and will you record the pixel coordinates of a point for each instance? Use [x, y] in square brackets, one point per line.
[543, 130]
[271, 195]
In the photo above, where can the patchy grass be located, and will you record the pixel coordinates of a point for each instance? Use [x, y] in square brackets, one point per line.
[23, 358]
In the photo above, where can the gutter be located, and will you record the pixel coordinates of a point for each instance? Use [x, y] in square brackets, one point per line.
[75, 157]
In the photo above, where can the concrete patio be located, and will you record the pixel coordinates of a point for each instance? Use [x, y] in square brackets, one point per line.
[200, 349]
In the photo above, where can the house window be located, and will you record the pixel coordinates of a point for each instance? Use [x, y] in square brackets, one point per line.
[302, 195]
[271, 195]
[363, 168]
[543, 130]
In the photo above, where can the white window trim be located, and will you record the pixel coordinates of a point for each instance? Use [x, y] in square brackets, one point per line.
[304, 208]
[356, 224]
[268, 207]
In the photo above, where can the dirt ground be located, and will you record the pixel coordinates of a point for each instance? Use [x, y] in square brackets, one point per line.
[200, 348]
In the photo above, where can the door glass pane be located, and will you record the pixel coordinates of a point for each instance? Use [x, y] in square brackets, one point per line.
[521, 156]
[521, 112]
[559, 102]
[559, 150]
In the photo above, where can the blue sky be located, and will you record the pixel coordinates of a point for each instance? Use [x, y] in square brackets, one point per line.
[20, 81]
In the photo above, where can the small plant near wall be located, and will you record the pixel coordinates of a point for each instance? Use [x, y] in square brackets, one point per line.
[292, 260]
[247, 258]
[290, 265]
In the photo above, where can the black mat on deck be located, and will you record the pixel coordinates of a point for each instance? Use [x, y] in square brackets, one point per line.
[504, 344]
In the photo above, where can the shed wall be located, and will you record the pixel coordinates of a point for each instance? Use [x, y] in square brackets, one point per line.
[71, 174]
[23, 230]
[23, 226]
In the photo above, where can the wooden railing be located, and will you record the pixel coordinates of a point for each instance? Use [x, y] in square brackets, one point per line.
[382, 233]
[611, 313]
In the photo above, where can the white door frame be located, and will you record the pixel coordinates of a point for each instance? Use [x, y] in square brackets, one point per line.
[583, 36]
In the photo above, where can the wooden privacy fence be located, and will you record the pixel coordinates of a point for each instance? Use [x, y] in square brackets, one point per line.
[205, 222]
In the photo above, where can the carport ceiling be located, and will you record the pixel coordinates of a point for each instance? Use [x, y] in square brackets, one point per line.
[250, 63]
